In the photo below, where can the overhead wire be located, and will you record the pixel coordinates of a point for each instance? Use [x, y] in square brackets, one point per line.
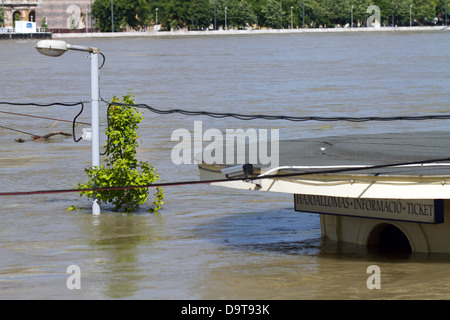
[249, 178]
[241, 116]
[67, 104]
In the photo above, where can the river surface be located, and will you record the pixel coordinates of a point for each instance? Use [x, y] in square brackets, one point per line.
[206, 242]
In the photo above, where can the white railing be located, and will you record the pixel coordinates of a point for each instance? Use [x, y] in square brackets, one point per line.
[13, 30]
[7, 30]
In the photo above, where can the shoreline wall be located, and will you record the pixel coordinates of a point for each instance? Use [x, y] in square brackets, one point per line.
[245, 32]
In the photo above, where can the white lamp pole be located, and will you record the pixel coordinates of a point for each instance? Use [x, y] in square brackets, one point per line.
[55, 48]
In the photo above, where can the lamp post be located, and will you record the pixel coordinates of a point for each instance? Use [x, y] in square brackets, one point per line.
[303, 13]
[92, 27]
[351, 26]
[112, 15]
[292, 26]
[410, 15]
[226, 18]
[281, 15]
[392, 8]
[156, 18]
[55, 48]
[446, 13]
[3, 12]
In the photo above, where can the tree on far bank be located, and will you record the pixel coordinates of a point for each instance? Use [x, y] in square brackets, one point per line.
[423, 10]
[240, 14]
[132, 13]
[272, 14]
[199, 14]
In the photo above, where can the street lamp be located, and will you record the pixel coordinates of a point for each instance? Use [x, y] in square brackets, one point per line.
[92, 27]
[410, 15]
[351, 26]
[226, 18]
[112, 16]
[292, 26]
[156, 18]
[3, 13]
[303, 13]
[281, 15]
[392, 8]
[446, 13]
[56, 48]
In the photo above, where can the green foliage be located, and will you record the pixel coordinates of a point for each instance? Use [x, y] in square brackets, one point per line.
[272, 14]
[132, 13]
[122, 168]
[240, 14]
[199, 14]
[44, 23]
[423, 9]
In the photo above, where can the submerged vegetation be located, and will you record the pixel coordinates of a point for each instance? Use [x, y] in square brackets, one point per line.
[203, 14]
[121, 168]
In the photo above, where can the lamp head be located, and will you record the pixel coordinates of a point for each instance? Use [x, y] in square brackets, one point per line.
[52, 48]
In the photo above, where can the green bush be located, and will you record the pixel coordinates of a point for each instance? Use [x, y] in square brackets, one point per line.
[121, 168]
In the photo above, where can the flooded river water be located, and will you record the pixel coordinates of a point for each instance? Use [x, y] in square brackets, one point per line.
[206, 242]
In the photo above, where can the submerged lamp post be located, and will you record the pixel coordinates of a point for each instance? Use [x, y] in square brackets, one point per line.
[56, 48]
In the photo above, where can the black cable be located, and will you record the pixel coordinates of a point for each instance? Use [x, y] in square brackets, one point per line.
[66, 104]
[74, 124]
[104, 60]
[107, 138]
[239, 116]
[224, 115]
[192, 182]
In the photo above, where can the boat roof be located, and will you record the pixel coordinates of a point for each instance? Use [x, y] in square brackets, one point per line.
[372, 150]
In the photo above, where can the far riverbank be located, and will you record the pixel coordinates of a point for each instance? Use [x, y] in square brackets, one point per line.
[244, 32]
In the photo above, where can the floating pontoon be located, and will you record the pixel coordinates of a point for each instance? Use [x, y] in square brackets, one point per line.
[368, 189]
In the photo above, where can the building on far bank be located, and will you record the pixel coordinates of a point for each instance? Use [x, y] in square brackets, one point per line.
[18, 10]
[56, 15]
